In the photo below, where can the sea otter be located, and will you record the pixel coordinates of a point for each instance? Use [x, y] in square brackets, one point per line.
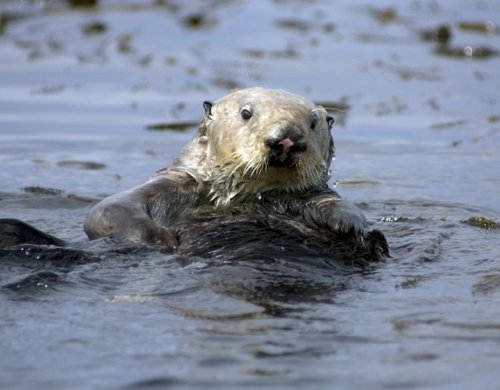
[253, 183]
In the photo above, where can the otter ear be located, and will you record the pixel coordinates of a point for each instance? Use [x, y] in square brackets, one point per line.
[207, 106]
[330, 121]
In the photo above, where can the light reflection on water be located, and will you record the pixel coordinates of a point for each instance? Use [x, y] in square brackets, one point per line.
[418, 153]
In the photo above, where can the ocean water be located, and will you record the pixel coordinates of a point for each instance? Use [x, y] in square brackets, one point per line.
[418, 149]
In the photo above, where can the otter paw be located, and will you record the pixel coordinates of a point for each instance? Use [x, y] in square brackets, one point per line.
[378, 244]
[166, 239]
[344, 223]
[147, 232]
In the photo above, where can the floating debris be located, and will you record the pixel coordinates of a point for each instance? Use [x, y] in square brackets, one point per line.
[466, 52]
[294, 24]
[482, 222]
[173, 126]
[81, 164]
[441, 34]
[254, 53]
[94, 27]
[226, 83]
[449, 125]
[42, 190]
[83, 3]
[197, 21]
[484, 27]
[385, 15]
[357, 182]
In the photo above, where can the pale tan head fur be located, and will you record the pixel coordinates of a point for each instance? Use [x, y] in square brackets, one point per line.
[231, 151]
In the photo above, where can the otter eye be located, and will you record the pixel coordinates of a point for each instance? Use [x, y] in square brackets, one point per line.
[330, 121]
[314, 122]
[246, 114]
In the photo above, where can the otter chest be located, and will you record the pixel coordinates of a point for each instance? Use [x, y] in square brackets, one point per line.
[253, 232]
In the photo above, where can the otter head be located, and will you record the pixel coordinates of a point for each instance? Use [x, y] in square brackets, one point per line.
[258, 140]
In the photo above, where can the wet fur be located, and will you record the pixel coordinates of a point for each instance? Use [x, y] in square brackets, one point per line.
[223, 197]
[273, 228]
[237, 173]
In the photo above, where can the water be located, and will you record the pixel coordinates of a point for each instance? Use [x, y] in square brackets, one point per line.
[417, 148]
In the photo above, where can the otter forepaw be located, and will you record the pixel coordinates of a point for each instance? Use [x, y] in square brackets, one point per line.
[149, 233]
[166, 239]
[374, 244]
[378, 244]
[346, 222]
[341, 216]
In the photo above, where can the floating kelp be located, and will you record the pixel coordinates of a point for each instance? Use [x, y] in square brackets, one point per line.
[83, 3]
[384, 15]
[294, 24]
[172, 126]
[358, 182]
[441, 34]
[482, 222]
[42, 190]
[484, 27]
[81, 164]
[198, 20]
[449, 125]
[466, 52]
[94, 27]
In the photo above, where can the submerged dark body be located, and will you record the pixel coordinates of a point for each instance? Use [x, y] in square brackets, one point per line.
[251, 185]
[271, 230]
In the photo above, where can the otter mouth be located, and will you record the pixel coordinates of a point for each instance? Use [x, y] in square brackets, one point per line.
[284, 152]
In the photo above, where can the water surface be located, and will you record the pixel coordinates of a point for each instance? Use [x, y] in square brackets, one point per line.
[418, 148]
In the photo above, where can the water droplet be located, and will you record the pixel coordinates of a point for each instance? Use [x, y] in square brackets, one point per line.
[468, 51]
[259, 196]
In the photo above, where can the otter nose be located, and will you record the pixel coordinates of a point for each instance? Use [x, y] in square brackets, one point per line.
[283, 150]
[286, 145]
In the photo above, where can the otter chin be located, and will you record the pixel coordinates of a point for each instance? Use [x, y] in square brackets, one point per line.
[253, 180]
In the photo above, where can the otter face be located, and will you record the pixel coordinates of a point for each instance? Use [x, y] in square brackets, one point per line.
[260, 140]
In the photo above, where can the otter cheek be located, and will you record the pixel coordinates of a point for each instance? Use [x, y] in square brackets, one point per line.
[225, 150]
[321, 148]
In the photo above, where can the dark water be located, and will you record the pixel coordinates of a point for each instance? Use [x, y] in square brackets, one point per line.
[418, 148]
